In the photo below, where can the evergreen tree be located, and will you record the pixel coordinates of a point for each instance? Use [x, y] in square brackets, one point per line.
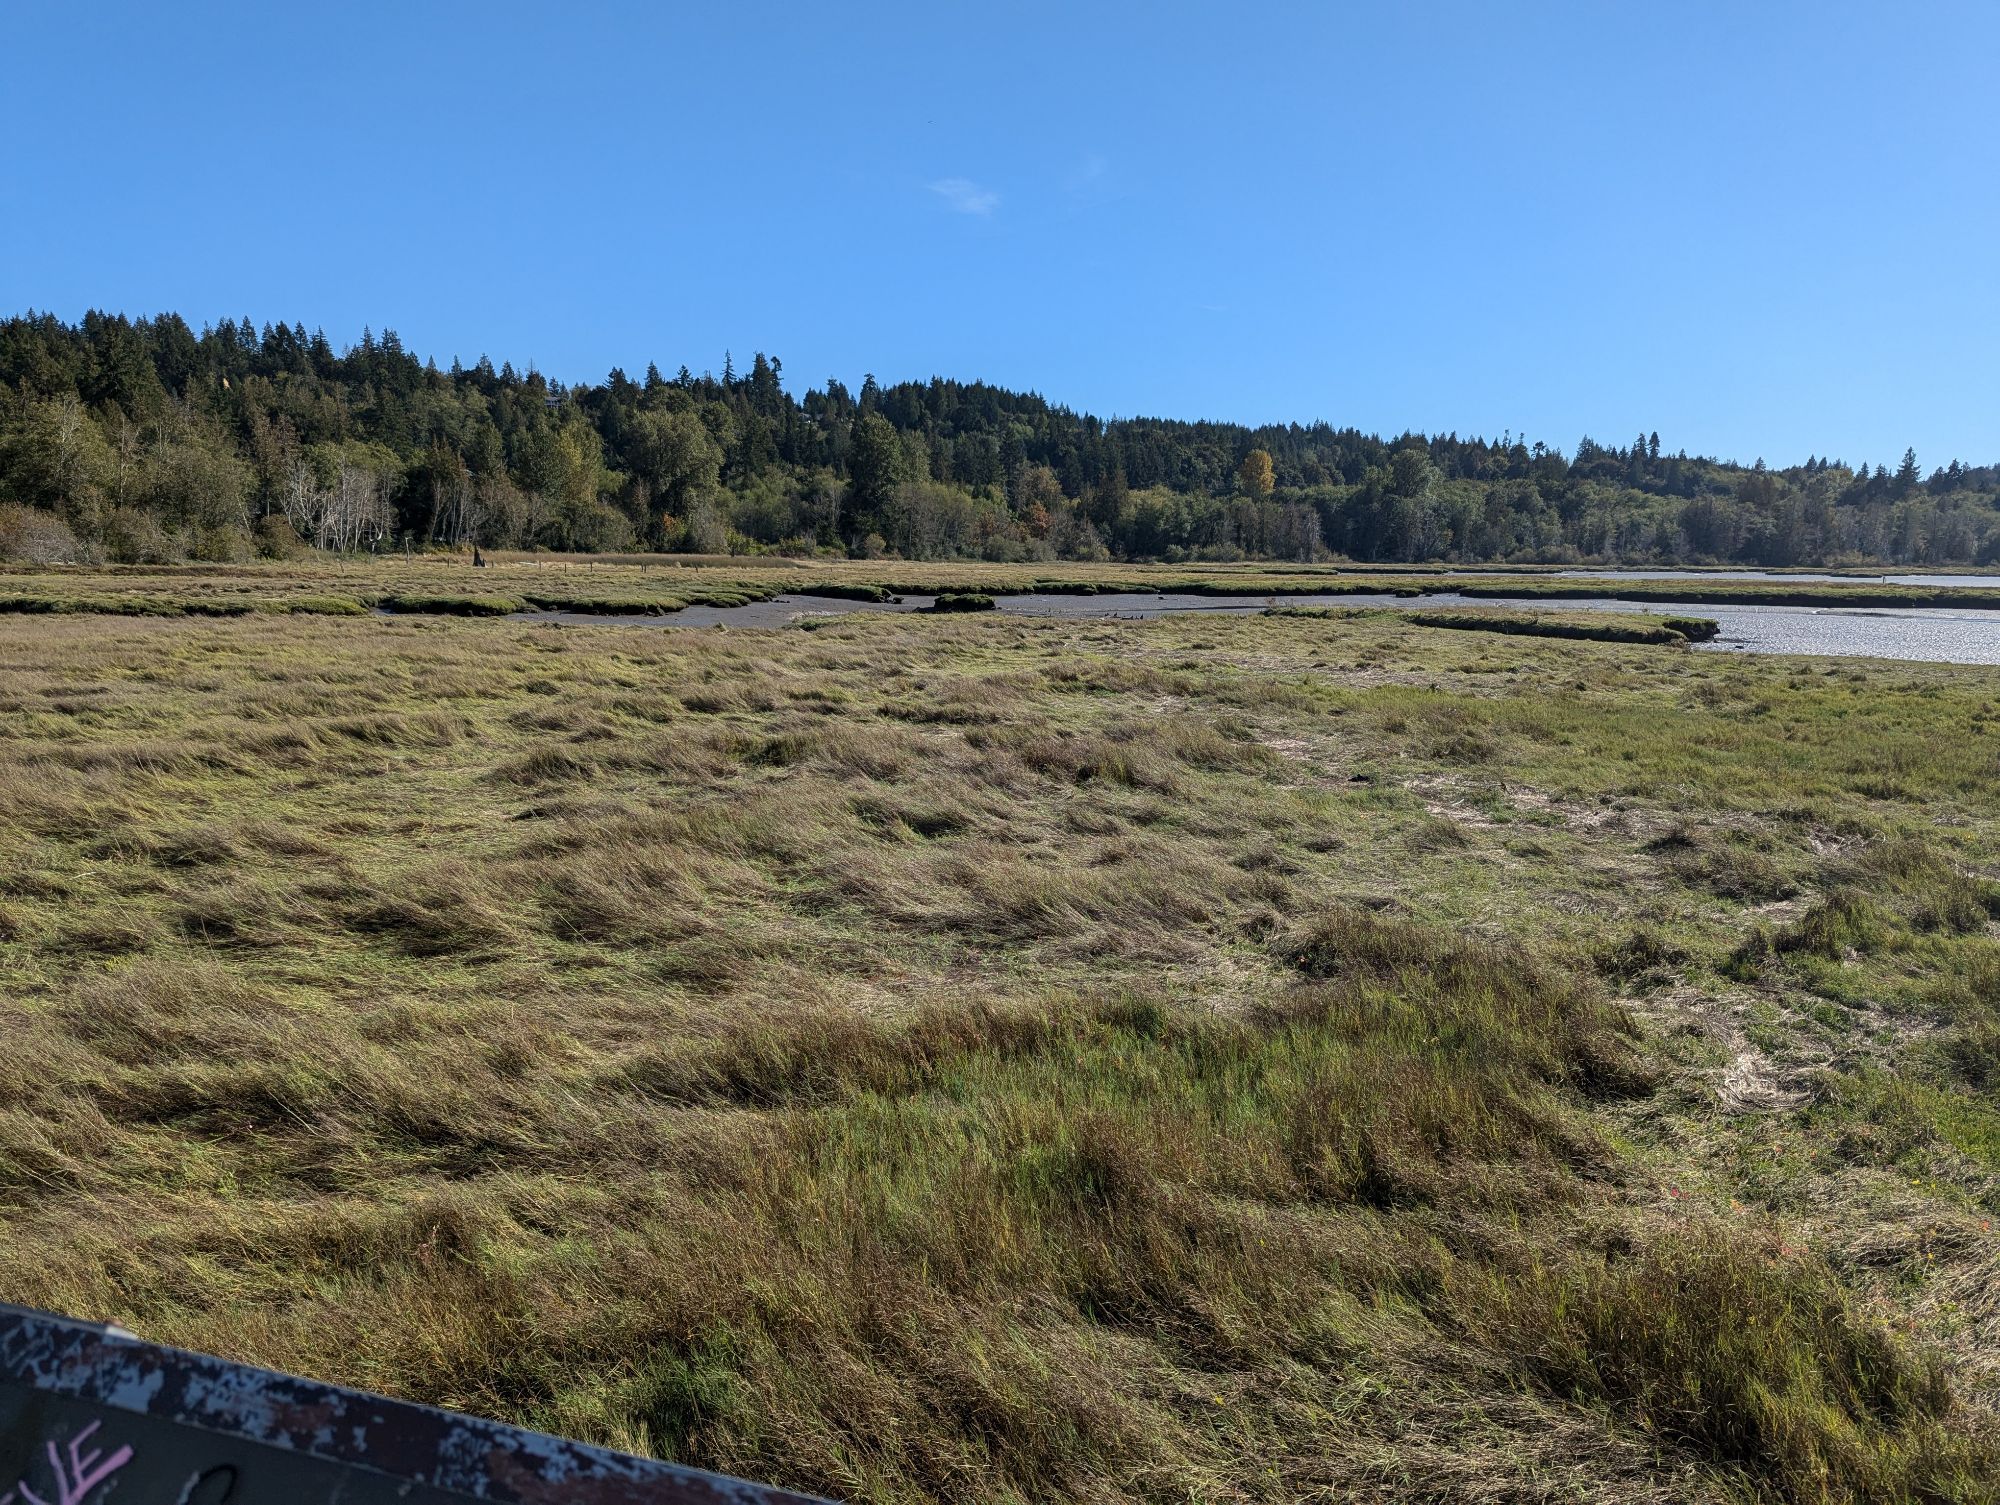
[875, 464]
[1109, 500]
[1906, 474]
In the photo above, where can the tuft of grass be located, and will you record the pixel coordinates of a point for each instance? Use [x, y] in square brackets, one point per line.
[444, 910]
[1724, 864]
[548, 763]
[1933, 891]
[1843, 921]
[1700, 1339]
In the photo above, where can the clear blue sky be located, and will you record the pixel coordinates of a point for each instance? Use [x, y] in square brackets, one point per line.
[1759, 228]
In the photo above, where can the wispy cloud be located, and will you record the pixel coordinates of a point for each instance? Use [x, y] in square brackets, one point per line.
[965, 196]
[1086, 173]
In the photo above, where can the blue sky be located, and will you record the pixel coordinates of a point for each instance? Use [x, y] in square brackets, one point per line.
[1758, 228]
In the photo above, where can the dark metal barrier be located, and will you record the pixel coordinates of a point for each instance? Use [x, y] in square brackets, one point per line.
[90, 1415]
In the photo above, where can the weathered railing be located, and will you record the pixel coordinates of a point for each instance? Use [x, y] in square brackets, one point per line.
[90, 1415]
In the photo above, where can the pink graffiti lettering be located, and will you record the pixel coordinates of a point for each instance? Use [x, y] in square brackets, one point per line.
[77, 1477]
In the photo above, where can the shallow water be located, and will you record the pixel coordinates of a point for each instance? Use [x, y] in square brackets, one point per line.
[1916, 634]
[1975, 582]
[1920, 635]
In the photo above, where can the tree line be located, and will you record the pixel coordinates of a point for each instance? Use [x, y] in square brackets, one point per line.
[143, 440]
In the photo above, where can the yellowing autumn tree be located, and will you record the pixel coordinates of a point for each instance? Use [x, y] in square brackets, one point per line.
[1255, 475]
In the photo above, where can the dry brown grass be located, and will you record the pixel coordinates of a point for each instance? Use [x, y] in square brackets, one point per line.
[935, 1059]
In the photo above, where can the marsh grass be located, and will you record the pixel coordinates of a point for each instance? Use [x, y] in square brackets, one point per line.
[1661, 632]
[653, 584]
[962, 601]
[931, 1059]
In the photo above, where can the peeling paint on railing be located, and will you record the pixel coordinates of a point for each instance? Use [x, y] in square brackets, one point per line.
[90, 1415]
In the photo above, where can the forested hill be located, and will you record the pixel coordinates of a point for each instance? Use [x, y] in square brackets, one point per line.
[145, 441]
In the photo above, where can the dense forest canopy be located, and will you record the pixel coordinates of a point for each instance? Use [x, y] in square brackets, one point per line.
[145, 441]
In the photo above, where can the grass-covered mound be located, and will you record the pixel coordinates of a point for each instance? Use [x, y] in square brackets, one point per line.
[833, 590]
[1694, 629]
[605, 606]
[1606, 628]
[1598, 629]
[455, 606]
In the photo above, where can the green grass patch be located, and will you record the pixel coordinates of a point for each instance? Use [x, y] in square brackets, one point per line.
[454, 606]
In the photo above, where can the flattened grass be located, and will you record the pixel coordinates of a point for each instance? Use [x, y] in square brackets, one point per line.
[1015, 1060]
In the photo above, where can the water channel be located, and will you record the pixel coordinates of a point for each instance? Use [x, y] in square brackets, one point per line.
[1919, 634]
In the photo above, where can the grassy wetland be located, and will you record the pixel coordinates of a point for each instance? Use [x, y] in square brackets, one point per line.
[661, 585]
[1317, 1055]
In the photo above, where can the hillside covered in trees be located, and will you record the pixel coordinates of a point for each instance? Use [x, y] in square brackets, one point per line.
[145, 441]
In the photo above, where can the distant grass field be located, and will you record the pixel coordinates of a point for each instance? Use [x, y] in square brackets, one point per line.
[946, 1057]
[644, 585]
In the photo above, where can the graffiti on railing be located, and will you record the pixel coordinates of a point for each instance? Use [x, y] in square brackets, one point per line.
[76, 1472]
[90, 1415]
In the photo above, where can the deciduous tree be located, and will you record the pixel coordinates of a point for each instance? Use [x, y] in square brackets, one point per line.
[1256, 475]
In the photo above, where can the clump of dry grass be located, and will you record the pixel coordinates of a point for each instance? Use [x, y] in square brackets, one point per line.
[1700, 1335]
[545, 763]
[441, 910]
[155, 1009]
[1723, 863]
[1935, 893]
